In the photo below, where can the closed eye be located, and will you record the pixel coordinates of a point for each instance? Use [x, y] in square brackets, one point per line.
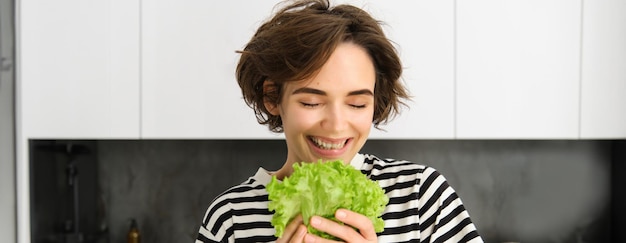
[309, 104]
[358, 106]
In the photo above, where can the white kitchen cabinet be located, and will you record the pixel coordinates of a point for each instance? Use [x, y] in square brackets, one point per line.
[424, 33]
[483, 69]
[188, 62]
[189, 59]
[78, 72]
[517, 69]
[78, 77]
[603, 95]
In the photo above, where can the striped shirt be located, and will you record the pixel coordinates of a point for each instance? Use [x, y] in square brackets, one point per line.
[422, 207]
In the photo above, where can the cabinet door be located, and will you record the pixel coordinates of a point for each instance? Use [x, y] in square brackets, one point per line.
[424, 33]
[78, 73]
[603, 97]
[188, 63]
[518, 68]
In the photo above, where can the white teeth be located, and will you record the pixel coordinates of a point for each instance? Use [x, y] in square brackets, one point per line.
[325, 145]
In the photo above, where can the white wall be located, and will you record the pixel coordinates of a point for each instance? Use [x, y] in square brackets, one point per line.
[7, 125]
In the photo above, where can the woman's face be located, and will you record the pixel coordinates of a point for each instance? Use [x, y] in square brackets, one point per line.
[329, 116]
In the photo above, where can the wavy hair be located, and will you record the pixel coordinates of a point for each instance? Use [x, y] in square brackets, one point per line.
[296, 42]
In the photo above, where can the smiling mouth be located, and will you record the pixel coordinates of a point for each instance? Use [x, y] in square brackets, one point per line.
[328, 145]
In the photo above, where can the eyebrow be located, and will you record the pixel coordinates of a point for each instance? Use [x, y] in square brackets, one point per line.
[321, 92]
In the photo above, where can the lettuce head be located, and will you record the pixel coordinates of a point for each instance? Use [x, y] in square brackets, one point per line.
[320, 189]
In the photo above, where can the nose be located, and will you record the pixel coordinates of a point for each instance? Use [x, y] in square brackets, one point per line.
[335, 118]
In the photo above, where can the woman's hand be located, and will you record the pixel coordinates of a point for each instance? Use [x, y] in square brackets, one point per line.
[365, 233]
[296, 230]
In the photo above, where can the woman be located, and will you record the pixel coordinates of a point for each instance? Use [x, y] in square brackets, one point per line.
[323, 75]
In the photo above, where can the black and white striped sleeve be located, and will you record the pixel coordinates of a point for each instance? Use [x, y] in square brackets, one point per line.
[238, 215]
[217, 223]
[443, 217]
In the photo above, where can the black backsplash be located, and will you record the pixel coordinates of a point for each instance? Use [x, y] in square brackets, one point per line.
[526, 191]
[64, 192]
[618, 191]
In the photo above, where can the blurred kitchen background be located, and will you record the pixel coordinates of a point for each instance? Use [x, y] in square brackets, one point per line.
[115, 111]
[521, 191]
[8, 215]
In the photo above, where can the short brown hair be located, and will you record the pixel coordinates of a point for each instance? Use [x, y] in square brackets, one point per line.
[299, 39]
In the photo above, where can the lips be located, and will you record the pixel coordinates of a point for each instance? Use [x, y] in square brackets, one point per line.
[328, 145]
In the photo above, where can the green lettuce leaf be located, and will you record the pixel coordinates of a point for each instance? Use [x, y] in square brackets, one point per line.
[322, 188]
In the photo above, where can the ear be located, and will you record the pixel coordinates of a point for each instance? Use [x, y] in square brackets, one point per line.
[270, 97]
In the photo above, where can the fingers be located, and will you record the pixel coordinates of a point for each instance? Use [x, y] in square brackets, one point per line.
[294, 232]
[359, 221]
[298, 237]
[345, 232]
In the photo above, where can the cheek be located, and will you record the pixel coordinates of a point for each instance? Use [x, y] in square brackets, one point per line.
[298, 119]
[364, 121]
